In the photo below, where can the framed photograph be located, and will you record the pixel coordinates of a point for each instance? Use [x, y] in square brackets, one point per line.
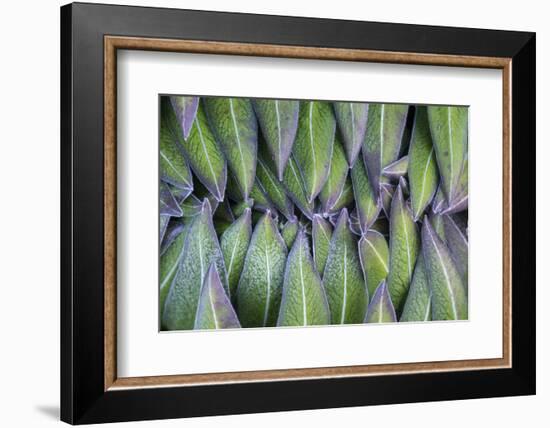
[265, 213]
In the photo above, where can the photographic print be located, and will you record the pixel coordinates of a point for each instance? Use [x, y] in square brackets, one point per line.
[292, 213]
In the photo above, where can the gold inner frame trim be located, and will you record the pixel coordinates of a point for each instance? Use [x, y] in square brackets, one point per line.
[113, 43]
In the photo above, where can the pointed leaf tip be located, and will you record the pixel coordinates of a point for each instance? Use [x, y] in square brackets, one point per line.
[304, 301]
[449, 300]
[214, 310]
[380, 308]
[343, 277]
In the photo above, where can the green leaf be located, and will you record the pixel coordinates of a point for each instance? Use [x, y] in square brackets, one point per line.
[205, 156]
[173, 166]
[192, 205]
[224, 212]
[234, 244]
[169, 261]
[200, 250]
[279, 122]
[380, 308]
[168, 204]
[274, 189]
[304, 301]
[342, 278]
[180, 195]
[234, 125]
[449, 129]
[418, 304]
[436, 221]
[460, 202]
[239, 207]
[374, 257]
[338, 173]
[386, 197]
[321, 233]
[314, 144]
[397, 169]
[365, 200]
[439, 202]
[289, 231]
[185, 109]
[457, 242]
[449, 301]
[404, 248]
[261, 201]
[163, 224]
[382, 143]
[352, 122]
[292, 179]
[423, 175]
[260, 286]
[214, 309]
[344, 199]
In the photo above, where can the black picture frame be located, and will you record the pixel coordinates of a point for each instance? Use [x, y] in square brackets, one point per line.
[83, 396]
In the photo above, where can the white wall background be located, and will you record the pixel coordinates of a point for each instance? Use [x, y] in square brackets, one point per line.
[29, 213]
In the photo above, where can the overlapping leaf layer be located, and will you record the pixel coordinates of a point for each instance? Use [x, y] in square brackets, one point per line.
[293, 213]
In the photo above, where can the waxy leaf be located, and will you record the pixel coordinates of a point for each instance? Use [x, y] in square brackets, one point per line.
[423, 175]
[205, 156]
[374, 257]
[169, 261]
[214, 309]
[279, 122]
[457, 242]
[336, 180]
[383, 139]
[173, 166]
[260, 286]
[289, 231]
[342, 278]
[185, 109]
[313, 147]
[321, 232]
[380, 308]
[200, 250]
[404, 248]
[168, 204]
[292, 179]
[274, 189]
[449, 130]
[397, 169]
[304, 301]
[418, 304]
[234, 244]
[352, 122]
[449, 301]
[366, 203]
[234, 124]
